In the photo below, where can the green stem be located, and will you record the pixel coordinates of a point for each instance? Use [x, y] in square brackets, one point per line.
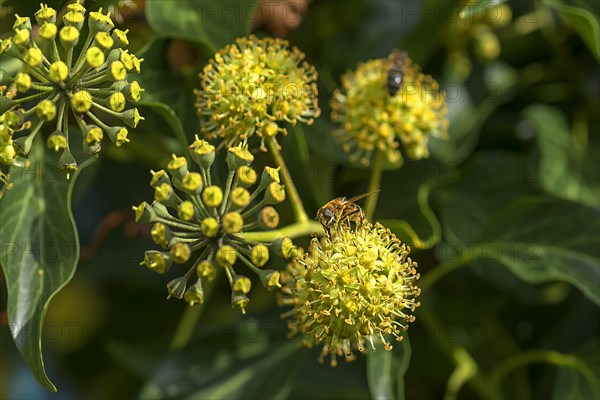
[536, 357]
[457, 353]
[293, 231]
[189, 320]
[374, 185]
[297, 206]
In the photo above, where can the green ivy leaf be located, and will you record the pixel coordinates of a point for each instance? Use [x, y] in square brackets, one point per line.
[40, 250]
[216, 365]
[569, 165]
[212, 24]
[540, 239]
[167, 92]
[571, 383]
[583, 21]
[476, 8]
[386, 369]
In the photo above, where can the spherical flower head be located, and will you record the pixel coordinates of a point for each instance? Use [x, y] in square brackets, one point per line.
[351, 290]
[251, 86]
[196, 220]
[68, 77]
[374, 119]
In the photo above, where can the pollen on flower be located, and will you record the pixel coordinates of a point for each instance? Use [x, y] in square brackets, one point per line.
[252, 86]
[351, 290]
[373, 121]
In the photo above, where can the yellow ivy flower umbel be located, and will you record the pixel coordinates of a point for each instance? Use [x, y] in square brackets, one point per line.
[372, 120]
[60, 77]
[351, 290]
[250, 87]
[196, 220]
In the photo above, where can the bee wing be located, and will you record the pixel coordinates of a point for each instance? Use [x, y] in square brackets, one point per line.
[361, 196]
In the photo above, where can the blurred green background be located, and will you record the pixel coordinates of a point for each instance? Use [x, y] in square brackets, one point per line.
[509, 206]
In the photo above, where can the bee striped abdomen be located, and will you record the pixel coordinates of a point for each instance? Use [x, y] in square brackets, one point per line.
[395, 74]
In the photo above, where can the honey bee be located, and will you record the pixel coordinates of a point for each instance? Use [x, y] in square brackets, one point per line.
[340, 209]
[395, 74]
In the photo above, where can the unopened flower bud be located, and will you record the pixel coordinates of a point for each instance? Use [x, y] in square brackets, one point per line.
[206, 270]
[33, 57]
[82, 101]
[134, 91]
[126, 59]
[57, 141]
[67, 163]
[46, 110]
[92, 135]
[161, 234]
[58, 71]
[157, 261]
[159, 178]
[103, 41]
[45, 15]
[21, 37]
[48, 31]
[269, 176]
[209, 227]
[239, 301]
[165, 194]
[212, 196]
[22, 82]
[186, 211]
[176, 287]
[237, 157]
[131, 117]
[144, 213]
[240, 197]
[120, 37]
[241, 284]
[180, 252]
[226, 255]
[270, 279]
[247, 176]
[99, 22]
[68, 36]
[259, 255]
[202, 152]
[118, 135]
[232, 222]
[177, 167]
[74, 19]
[194, 294]
[22, 23]
[275, 193]
[95, 58]
[192, 183]
[268, 218]
[117, 70]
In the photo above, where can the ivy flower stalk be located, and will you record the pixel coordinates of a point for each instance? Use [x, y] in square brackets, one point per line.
[57, 81]
[251, 87]
[351, 290]
[194, 219]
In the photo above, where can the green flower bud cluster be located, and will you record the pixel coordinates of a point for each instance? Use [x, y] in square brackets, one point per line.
[195, 219]
[475, 35]
[351, 290]
[250, 87]
[372, 120]
[56, 81]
